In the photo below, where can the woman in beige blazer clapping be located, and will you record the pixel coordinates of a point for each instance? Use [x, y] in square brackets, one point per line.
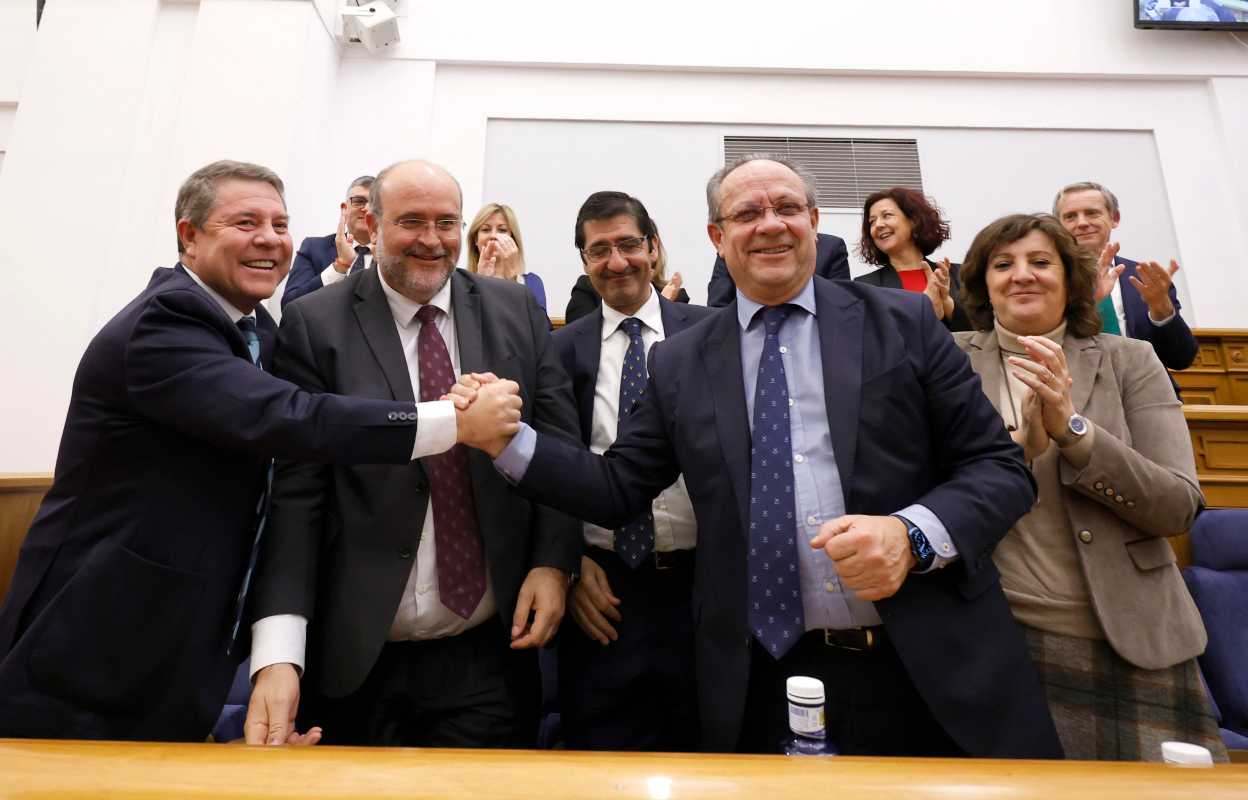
[1088, 571]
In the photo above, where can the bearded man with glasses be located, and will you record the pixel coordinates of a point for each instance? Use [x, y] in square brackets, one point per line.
[413, 599]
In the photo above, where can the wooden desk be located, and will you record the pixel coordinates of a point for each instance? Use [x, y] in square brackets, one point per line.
[34, 769]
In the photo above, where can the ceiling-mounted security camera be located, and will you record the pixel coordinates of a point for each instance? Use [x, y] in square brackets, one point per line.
[374, 24]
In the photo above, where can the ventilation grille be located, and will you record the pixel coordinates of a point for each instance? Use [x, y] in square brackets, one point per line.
[847, 170]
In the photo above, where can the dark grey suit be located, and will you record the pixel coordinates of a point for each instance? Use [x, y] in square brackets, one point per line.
[342, 540]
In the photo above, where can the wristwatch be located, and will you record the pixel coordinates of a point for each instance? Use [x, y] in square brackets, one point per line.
[924, 555]
[1078, 427]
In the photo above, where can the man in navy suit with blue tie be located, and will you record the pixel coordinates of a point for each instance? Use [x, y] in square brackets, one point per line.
[1138, 298]
[122, 617]
[626, 669]
[850, 482]
[325, 260]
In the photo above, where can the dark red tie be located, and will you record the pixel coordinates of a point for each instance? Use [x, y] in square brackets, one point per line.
[461, 560]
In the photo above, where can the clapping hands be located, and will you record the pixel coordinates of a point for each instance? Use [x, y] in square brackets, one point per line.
[938, 288]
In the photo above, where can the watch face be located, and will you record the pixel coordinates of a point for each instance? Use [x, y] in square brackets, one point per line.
[1078, 425]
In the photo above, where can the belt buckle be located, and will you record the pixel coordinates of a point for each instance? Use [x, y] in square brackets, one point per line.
[664, 560]
[829, 639]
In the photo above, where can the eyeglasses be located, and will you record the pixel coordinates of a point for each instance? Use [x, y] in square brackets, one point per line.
[357, 202]
[445, 226]
[627, 247]
[752, 214]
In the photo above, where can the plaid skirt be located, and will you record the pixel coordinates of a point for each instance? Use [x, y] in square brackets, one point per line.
[1107, 709]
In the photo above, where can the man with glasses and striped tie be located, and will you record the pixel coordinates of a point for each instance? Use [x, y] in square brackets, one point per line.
[123, 618]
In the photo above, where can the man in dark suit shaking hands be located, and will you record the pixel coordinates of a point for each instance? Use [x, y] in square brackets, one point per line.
[414, 596]
[122, 621]
[849, 482]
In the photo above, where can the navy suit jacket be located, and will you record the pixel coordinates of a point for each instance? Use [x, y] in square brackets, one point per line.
[119, 616]
[831, 262]
[909, 424]
[1173, 342]
[315, 254]
[580, 346]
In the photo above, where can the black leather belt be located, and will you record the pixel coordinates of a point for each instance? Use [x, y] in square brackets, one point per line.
[667, 559]
[852, 638]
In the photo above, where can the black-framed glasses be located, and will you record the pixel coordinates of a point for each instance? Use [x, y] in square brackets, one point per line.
[444, 226]
[627, 247]
[357, 202]
[752, 214]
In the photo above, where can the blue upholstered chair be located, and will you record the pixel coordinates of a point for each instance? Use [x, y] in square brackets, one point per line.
[1218, 581]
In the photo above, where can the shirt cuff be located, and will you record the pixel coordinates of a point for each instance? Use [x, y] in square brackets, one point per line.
[934, 530]
[514, 461]
[436, 428]
[1159, 323]
[330, 275]
[279, 639]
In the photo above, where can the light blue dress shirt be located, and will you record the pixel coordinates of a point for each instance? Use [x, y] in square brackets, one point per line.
[817, 480]
[816, 477]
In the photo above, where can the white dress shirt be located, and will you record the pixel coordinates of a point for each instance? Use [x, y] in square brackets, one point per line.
[420, 615]
[330, 276]
[674, 526]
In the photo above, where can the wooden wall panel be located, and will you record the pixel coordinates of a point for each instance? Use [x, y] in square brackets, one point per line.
[1219, 375]
[20, 496]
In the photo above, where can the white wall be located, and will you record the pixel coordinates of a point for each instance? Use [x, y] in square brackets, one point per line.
[975, 175]
[111, 104]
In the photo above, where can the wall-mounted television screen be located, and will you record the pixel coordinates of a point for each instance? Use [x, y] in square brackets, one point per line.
[1198, 15]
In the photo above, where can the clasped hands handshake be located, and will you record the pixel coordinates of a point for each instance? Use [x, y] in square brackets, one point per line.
[487, 411]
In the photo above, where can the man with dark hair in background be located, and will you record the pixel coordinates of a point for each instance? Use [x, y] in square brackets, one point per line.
[325, 260]
[626, 675]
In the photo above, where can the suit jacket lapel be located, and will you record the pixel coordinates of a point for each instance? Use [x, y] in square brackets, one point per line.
[267, 329]
[675, 317]
[722, 357]
[985, 356]
[1132, 304]
[586, 352]
[1083, 362]
[466, 303]
[372, 311]
[840, 323]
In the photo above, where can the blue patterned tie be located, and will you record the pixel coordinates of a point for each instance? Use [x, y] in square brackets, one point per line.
[776, 617]
[635, 541]
[248, 327]
[358, 264]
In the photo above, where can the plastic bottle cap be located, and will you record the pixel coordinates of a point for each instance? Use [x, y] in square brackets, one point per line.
[1184, 753]
[799, 687]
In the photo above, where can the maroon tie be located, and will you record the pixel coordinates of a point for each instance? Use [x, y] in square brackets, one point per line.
[461, 561]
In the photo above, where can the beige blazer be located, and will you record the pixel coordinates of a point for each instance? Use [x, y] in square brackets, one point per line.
[1139, 487]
